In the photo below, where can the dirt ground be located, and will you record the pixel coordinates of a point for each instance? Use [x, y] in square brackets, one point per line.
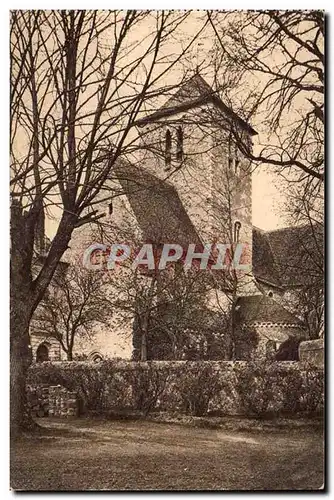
[89, 454]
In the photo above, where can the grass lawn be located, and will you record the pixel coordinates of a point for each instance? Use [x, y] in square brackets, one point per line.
[89, 454]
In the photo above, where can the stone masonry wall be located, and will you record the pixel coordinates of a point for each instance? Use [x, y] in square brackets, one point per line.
[213, 180]
[192, 177]
[51, 401]
[312, 351]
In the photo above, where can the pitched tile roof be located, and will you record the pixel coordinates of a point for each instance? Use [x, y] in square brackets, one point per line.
[157, 207]
[291, 256]
[194, 92]
[263, 309]
[264, 267]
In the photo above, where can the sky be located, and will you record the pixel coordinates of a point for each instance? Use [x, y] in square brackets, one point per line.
[266, 199]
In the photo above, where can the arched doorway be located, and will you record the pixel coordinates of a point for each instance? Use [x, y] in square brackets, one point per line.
[42, 353]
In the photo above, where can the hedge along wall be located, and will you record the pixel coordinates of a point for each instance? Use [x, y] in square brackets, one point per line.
[196, 387]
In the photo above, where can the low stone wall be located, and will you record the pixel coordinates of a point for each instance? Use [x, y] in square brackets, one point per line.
[195, 388]
[38, 400]
[312, 351]
[51, 401]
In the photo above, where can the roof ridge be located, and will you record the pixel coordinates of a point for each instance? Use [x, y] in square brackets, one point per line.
[259, 229]
[265, 300]
[270, 257]
[286, 227]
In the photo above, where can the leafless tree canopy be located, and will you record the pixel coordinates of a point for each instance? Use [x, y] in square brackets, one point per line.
[79, 80]
[273, 64]
[76, 302]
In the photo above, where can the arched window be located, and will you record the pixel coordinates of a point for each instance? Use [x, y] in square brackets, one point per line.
[179, 145]
[236, 166]
[168, 149]
[288, 350]
[96, 357]
[42, 353]
[236, 235]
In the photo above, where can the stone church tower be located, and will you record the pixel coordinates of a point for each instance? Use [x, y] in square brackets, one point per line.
[194, 143]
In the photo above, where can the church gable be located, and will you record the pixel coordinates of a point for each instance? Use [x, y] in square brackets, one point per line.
[193, 93]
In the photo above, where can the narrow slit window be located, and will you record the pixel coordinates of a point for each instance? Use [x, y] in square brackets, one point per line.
[168, 149]
[110, 208]
[236, 166]
[179, 146]
[230, 162]
[237, 227]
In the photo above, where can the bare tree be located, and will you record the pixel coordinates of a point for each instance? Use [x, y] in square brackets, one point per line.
[274, 62]
[168, 308]
[79, 80]
[176, 312]
[274, 75]
[170, 312]
[75, 303]
[304, 208]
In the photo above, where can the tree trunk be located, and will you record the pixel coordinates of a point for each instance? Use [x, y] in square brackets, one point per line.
[25, 295]
[20, 315]
[69, 355]
[233, 328]
[146, 320]
[143, 345]
[20, 359]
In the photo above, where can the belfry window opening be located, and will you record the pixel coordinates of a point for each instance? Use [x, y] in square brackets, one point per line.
[179, 144]
[230, 162]
[236, 166]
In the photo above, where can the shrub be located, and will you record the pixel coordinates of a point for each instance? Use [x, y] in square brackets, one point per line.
[280, 388]
[198, 383]
[289, 385]
[312, 394]
[255, 388]
[148, 384]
